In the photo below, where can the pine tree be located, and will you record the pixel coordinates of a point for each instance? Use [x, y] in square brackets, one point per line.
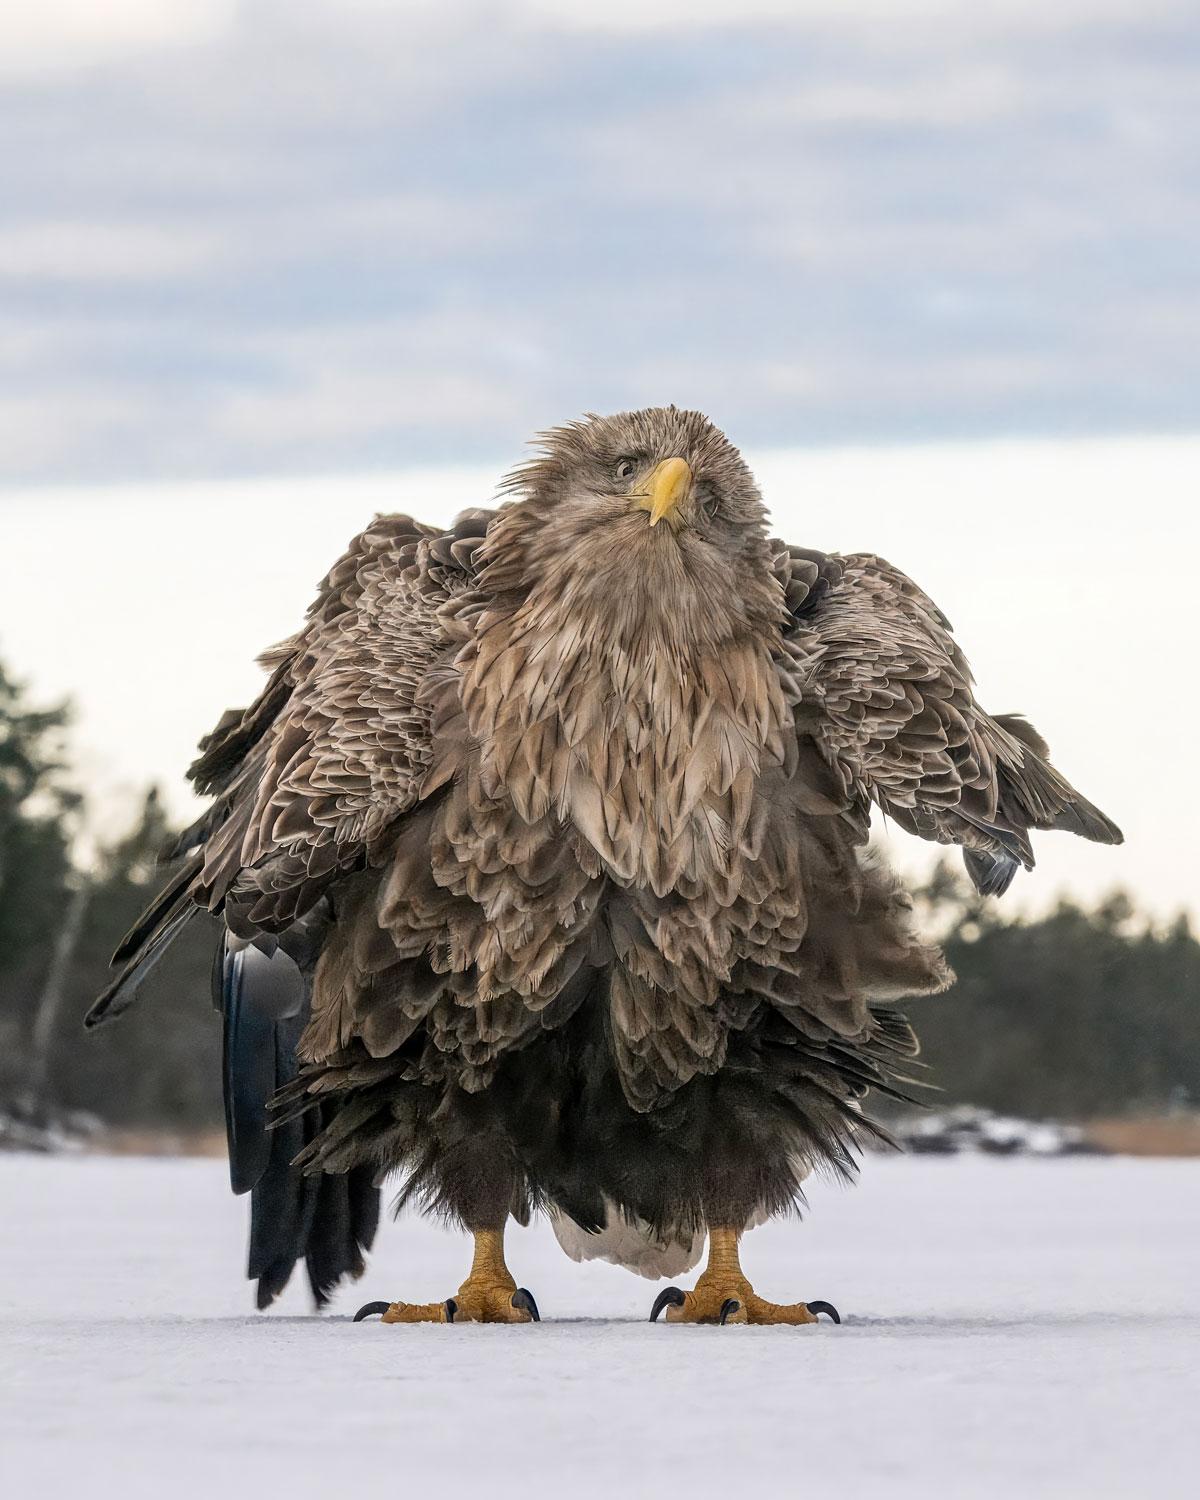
[160, 1064]
[36, 808]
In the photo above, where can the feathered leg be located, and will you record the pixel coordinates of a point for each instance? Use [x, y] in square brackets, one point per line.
[723, 1294]
[489, 1294]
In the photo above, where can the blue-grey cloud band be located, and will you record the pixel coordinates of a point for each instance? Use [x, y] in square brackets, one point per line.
[279, 239]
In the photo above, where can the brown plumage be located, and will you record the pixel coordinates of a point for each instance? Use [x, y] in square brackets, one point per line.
[562, 813]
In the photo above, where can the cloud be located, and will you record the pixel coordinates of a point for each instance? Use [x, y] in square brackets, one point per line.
[64, 35]
[74, 250]
[319, 235]
[874, 22]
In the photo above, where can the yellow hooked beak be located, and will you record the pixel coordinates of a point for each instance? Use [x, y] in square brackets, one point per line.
[667, 484]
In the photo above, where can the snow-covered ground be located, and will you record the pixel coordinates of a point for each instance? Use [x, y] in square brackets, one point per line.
[1012, 1328]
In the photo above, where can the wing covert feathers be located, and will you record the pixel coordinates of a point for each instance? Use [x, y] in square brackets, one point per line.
[312, 775]
[877, 679]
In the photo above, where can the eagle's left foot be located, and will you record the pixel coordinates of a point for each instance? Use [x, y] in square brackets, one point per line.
[489, 1294]
[481, 1300]
[737, 1303]
[723, 1295]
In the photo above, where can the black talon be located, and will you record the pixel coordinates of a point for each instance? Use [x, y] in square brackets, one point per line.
[369, 1309]
[824, 1307]
[522, 1300]
[670, 1296]
[451, 1309]
[728, 1308]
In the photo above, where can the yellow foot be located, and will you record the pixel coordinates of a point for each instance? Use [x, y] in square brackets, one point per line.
[723, 1295]
[489, 1295]
[474, 1302]
[733, 1302]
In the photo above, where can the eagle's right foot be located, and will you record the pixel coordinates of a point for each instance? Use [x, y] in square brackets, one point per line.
[489, 1294]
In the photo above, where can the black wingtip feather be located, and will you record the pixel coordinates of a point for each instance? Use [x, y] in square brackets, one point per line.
[167, 903]
[1049, 800]
[122, 992]
[1081, 817]
[991, 875]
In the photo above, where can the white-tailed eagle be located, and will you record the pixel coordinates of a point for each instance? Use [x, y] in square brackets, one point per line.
[541, 863]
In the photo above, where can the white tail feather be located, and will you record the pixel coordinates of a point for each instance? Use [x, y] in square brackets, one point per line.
[631, 1244]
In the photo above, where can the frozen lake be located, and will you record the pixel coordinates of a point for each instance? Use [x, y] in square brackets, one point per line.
[1012, 1328]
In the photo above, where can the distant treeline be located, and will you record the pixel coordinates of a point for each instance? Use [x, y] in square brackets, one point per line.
[1077, 1014]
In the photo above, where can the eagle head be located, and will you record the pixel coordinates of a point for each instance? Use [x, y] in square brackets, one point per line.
[645, 527]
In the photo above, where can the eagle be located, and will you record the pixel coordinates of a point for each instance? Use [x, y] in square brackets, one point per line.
[542, 872]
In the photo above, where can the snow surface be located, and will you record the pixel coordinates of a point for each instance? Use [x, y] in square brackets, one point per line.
[1012, 1328]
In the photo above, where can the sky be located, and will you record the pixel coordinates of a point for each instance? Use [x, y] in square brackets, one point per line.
[297, 236]
[268, 267]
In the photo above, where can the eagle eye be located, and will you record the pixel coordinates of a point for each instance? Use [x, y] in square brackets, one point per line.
[624, 468]
[708, 501]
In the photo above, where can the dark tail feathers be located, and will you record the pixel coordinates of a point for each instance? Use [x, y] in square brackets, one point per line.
[326, 1221]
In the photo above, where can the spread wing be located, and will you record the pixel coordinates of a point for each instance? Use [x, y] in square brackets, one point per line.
[312, 775]
[882, 687]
